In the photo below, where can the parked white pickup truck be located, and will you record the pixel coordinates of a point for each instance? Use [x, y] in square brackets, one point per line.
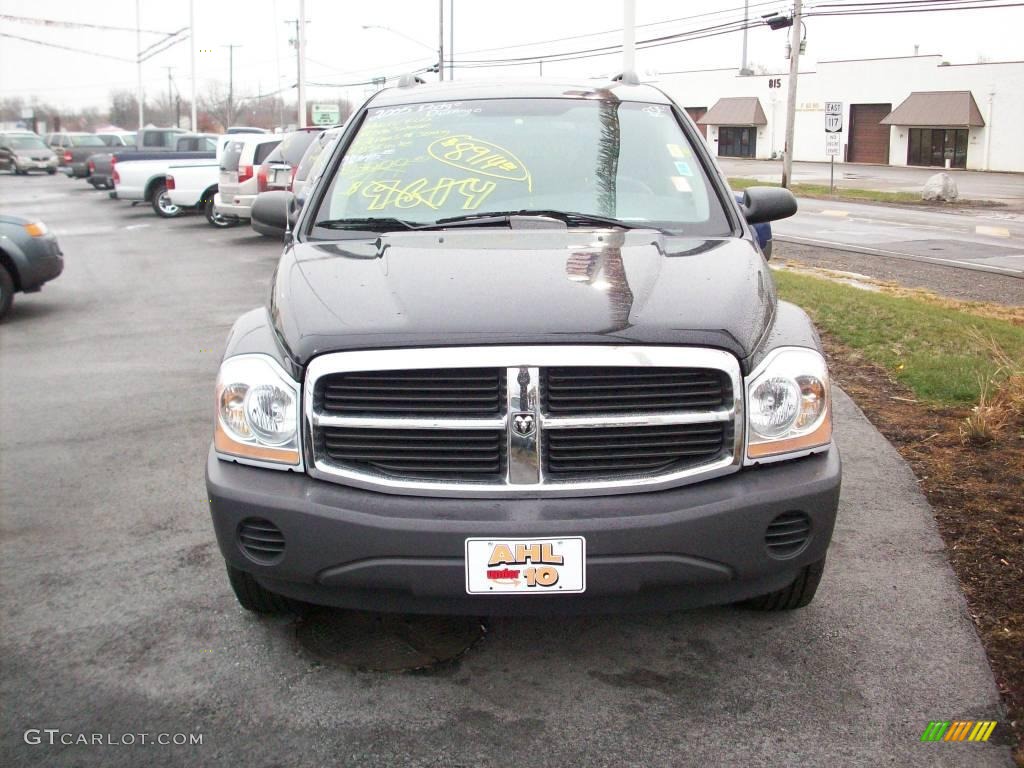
[193, 186]
[145, 180]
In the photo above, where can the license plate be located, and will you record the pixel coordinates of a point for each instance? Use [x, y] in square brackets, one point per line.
[548, 566]
[279, 177]
[41, 164]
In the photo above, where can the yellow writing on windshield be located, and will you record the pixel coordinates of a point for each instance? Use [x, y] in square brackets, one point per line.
[467, 153]
[422, 192]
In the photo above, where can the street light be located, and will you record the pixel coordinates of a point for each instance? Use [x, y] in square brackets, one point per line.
[420, 43]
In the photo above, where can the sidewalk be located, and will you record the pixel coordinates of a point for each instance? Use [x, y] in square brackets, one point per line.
[975, 185]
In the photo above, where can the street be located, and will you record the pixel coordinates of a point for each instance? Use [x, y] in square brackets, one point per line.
[1007, 188]
[118, 618]
[984, 240]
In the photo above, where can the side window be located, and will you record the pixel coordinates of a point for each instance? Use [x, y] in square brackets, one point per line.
[186, 145]
[209, 145]
[153, 139]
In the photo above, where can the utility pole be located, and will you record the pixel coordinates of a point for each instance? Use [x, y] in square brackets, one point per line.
[299, 41]
[440, 40]
[746, 20]
[170, 94]
[628, 35]
[794, 71]
[451, 39]
[138, 61]
[302, 63]
[192, 46]
[231, 82]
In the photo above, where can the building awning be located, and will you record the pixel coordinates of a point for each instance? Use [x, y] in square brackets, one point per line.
[937, 109]
[744, 110]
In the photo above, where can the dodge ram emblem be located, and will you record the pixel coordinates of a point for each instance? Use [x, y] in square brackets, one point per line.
[523, 424]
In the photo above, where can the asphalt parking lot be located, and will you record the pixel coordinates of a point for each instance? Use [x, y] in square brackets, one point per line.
[117, 617]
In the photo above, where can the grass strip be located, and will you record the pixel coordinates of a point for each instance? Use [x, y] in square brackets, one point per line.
[936, 351]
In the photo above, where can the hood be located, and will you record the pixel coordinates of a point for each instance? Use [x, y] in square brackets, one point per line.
[491, 286]
[37, 152]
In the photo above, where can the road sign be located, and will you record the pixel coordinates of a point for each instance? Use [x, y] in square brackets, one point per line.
[833, 116]
[832, 144]
[326, 114]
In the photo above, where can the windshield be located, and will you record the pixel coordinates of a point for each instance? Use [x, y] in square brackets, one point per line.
[25, 142]
[424, 162]
[89, 140]
[315, 153]
[291, 149]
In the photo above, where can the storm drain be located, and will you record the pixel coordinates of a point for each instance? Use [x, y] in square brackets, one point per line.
[386, 642]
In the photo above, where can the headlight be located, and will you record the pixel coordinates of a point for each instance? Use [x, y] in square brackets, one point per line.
[257, 411]
[36, 229]
[789, 407]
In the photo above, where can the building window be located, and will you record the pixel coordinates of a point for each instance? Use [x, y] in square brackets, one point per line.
[934, 146]
[737, 142]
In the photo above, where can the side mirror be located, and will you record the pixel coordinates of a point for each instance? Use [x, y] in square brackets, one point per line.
[274, 213]
[763, 204]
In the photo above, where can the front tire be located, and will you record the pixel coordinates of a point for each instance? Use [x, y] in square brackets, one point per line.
[162, 205]
[255, 598]
[51, 171]
[6, 292]
[216, 219]
[796, 595]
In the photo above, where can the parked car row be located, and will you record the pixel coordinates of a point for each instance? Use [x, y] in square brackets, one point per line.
[220, 177]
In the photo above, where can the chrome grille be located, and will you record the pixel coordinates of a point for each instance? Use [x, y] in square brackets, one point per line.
[540, 420]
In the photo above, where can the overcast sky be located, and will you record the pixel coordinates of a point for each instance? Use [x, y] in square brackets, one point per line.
[341, 51]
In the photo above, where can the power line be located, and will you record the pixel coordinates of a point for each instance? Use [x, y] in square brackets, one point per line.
[839, 9]
[74, 24]
[724, 11]
[65, 47]
[161, 42]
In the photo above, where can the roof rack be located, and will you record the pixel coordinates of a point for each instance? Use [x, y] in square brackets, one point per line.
[629, 77]
[410, 80]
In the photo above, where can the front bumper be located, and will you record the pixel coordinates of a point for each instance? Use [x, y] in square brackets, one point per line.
[44, 262]
[238, 206]
[25, 164]
[696, 545]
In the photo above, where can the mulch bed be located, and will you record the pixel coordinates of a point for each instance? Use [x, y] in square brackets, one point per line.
[977, 493]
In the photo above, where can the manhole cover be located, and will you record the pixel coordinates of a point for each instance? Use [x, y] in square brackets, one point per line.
[384, 642]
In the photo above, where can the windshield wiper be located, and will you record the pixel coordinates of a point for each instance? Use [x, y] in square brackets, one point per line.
[383, 224]
[504, 217]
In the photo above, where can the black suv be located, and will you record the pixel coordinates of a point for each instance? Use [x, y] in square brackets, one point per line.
[522, 353]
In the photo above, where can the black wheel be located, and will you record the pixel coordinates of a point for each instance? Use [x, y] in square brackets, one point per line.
[255, 598]
[6, 291]
[51, 171]
[162, 205]
[216, 219]
[796, 595]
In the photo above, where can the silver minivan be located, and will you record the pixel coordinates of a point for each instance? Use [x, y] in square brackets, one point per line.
[238, 186]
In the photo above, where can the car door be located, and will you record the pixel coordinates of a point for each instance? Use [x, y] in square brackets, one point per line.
[6, 154]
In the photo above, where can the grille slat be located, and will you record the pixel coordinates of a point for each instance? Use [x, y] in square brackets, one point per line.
[630, 450]
[409, 453]
[261, 540]
[787, 534]
[581, 389]
[458, 393]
